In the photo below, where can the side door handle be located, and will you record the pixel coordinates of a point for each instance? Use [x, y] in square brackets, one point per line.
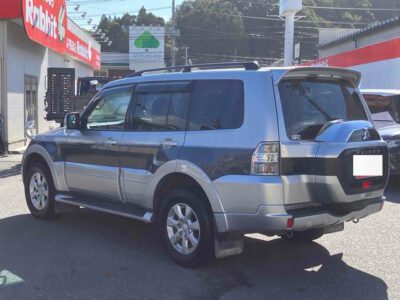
[168, 144]
[110, 142]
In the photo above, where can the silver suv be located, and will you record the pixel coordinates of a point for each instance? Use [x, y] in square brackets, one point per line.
[212, 152]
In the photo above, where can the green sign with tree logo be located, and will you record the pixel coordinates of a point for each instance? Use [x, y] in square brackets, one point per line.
[147, 40]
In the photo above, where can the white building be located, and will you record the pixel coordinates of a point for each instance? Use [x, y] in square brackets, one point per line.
[24, 63]
[374, 51]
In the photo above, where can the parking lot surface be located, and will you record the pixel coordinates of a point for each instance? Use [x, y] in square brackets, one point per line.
[89, 255]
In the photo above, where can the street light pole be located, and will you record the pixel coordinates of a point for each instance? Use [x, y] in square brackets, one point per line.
[186, 56]
[288, 9]
[289, 38]
[173, 60]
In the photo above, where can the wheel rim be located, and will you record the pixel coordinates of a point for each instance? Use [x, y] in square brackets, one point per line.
[39, 191]
[183, 228]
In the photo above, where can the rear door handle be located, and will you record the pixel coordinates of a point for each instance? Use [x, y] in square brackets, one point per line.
[168, 144]
[110, 142]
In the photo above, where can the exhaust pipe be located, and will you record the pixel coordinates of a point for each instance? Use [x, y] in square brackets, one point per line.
[355, 221]
[289, 234]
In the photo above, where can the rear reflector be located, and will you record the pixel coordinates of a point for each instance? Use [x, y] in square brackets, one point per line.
[366, 184]
[290, 223]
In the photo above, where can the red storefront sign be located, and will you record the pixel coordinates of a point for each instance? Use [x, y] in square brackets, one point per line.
[10, 9]
[46, 22]
[378, 52]
[75, 46]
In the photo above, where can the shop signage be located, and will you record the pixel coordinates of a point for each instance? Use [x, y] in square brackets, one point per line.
[46, 22]
[146, 43]
[378, 52]
[10, 9]
[82, 50]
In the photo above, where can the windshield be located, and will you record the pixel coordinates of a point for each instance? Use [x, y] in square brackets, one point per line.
[308, 104]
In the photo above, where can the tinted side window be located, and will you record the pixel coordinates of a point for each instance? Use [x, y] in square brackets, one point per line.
[110, 111]
[217, 104]
[160, 111]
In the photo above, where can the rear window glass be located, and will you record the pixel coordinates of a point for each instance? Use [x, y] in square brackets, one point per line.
[217, 104]
[308, 104]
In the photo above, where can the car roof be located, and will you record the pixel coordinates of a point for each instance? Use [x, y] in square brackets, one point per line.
[278, 73]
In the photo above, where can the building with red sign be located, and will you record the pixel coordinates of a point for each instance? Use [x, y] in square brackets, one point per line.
[36, 35]
[374, 51]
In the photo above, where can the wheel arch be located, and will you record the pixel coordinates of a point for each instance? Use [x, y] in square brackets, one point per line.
[187, 175]
[37, 152]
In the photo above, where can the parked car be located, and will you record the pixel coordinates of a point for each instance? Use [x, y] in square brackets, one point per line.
[385, 108]
[210, 155]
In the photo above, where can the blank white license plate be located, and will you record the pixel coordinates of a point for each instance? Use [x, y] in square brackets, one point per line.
[367, 165]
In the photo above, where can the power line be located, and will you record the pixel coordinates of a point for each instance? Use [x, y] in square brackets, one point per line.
[352, 8]
[120, 13]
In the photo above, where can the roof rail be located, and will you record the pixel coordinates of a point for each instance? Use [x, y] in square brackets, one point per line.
[248, 66]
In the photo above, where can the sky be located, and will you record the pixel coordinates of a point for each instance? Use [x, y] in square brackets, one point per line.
[96, 8]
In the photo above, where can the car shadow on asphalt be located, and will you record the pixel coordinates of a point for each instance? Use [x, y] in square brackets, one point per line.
[87, 255]
[393, 190]
[12, 171]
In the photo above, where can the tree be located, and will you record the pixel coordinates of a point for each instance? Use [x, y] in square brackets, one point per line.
[148, 19]
[265, 31]
[117, 28]
[212, 29]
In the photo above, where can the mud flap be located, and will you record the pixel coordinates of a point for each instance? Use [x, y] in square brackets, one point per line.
[334, 228]
[228, 246]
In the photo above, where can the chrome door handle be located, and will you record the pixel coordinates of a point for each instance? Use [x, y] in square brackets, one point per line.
[168, 144]
[110, 142]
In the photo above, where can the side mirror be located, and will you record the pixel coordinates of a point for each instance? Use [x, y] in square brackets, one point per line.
[30, 125]
[72, 120]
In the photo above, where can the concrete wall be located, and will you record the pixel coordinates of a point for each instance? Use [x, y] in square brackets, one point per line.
[3, 27]
[380, 75]
[24, 57]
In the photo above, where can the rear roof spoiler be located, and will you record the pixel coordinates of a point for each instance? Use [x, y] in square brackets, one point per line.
[319, 72]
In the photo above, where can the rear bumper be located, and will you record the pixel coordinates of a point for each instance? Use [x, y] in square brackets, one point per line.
[274, 219]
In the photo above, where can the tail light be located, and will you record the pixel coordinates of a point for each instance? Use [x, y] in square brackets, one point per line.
[265, 160]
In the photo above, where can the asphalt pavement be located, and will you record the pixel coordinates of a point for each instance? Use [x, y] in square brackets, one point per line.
[89, 255]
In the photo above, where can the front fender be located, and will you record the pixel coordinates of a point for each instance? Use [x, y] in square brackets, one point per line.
[56, 169]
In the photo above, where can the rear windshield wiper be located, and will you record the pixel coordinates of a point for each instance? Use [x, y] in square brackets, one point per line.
[321, 110]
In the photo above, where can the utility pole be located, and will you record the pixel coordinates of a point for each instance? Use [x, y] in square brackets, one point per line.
[186, 56]
[289, 9]
[173, 60]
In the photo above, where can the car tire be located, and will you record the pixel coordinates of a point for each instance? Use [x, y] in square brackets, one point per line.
[40, 191]
[186, 228]
[304, 236]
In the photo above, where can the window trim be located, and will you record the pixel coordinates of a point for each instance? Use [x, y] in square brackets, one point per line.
[97, 99]
[132, 107]
[191, 86]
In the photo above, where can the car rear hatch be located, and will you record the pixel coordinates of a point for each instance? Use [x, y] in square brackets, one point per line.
[331, 155]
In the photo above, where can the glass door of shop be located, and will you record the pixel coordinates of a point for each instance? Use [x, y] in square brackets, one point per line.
[31, 102]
